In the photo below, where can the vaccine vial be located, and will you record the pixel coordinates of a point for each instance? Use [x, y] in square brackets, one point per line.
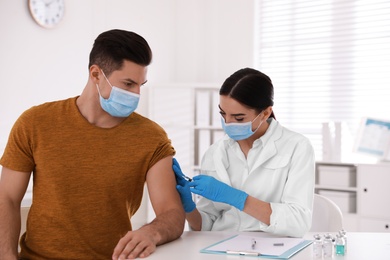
[328, 246]
[344, 235]
[340, 244]
[317, 247]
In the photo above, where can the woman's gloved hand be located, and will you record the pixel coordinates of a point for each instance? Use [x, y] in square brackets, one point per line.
[181, 178]
[217, 191]
[186, 197]
[183, 188]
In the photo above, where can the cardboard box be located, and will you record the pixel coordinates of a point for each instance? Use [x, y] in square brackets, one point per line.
[344, 199]
[338, 176]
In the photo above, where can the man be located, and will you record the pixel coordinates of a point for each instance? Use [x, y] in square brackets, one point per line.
[90, 157]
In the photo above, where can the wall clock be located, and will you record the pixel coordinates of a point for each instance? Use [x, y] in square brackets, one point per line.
[47, 13]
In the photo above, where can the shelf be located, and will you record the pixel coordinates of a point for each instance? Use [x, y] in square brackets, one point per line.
[337, 182]
[367, 184]
[343, 164]
[335, 188]
[209, 128]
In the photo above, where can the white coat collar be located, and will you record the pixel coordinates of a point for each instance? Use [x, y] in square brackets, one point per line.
[273, 133]
[221, 163]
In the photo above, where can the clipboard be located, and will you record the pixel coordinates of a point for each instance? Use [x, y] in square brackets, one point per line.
[266, 247]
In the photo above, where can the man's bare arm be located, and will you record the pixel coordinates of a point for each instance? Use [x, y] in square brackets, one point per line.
[13, 185]
[170, 217]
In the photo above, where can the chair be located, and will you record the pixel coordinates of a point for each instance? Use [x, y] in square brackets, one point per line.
[23, 213]
[327, 216]
[23, 217]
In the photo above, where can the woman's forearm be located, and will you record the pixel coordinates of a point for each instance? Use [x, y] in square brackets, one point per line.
[194, 220]
[258, 209]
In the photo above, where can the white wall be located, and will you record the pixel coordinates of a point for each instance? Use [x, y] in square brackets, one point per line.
[198, 41]
[192, 41]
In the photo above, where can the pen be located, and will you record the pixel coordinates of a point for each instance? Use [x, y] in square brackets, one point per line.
[231, 252]
[253, 243]
[278, 244]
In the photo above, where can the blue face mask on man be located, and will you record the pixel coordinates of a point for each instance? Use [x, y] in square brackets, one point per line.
[120, 103]
[239, 131]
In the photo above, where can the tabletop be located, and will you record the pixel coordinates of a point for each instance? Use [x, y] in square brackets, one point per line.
[361, 245]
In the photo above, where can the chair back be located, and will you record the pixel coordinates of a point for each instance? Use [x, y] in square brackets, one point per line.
[23, 215]
[327, 216]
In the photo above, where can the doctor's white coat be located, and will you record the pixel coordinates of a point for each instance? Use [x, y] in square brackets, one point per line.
[279, 169]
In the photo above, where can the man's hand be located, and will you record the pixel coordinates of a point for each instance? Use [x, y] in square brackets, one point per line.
[138, 243]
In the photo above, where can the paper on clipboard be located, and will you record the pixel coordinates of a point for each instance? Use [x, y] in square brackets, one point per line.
[265, 246]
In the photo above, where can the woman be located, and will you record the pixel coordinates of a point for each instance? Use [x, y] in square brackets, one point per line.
[260, 176]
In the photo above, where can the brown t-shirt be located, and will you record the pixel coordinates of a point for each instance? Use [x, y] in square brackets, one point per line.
[88, 181]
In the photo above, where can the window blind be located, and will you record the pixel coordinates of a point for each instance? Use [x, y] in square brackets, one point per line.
[329, 62]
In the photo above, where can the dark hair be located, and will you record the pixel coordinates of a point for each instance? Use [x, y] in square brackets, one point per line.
[251, 88]
[112, 48]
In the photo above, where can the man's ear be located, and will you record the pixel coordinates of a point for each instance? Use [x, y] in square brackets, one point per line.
[94, 72]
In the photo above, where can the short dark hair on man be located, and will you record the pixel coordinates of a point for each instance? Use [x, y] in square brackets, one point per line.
[112, 48]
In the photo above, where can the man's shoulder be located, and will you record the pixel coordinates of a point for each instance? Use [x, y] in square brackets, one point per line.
[53, 105]
[56, 103]
[49, 109]
[138, 118]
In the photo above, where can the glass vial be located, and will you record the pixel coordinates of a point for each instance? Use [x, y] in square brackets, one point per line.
[317, 247]
[328, 246]
[340, 245]
[343, 233]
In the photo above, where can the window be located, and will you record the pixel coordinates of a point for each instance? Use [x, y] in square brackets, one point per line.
[329, 62]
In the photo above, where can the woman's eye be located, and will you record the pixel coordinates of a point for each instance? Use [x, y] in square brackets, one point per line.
[239, 119]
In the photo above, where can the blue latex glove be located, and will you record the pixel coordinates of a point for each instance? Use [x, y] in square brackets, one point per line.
[181, 179]
[186, 198]
[217, 191]
[183, 188]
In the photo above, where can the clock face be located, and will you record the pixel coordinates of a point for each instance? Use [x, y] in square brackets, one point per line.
[47, 13]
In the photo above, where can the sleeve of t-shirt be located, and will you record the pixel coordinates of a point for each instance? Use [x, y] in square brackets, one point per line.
[18, 153]
[163, 150]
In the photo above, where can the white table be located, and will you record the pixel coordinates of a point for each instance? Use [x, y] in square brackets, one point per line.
[361, 246]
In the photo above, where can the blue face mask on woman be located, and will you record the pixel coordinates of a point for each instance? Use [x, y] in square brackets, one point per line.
[121, 103]
[239, 131]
